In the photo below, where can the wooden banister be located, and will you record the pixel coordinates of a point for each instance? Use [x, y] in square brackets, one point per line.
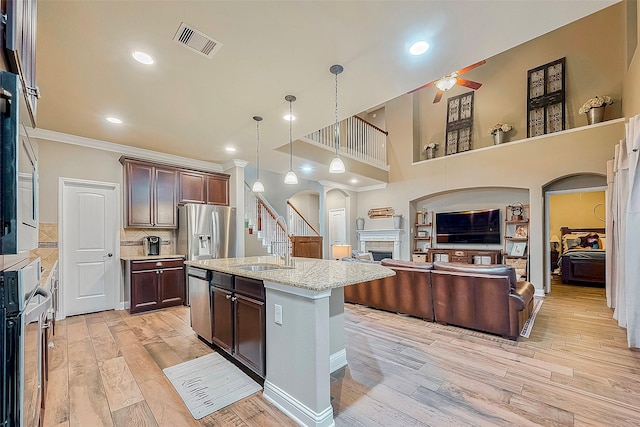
[303, 218]
[372, 125]
[263, 205]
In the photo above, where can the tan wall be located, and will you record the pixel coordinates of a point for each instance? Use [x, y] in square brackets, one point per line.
[58, 160]
[631, 83]
[308, 204]
[576, 210]
[594, 61]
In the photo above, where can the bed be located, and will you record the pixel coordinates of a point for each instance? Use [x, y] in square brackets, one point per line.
[583, 255]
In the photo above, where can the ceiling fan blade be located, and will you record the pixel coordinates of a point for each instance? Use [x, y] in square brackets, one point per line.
[438, 97]
[471, 67]
[469, 83]
[423, 86]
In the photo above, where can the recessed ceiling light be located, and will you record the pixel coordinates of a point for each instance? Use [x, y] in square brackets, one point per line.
[354, 181]
[306, 168]
[289, 118]
[419, 47]
[230, 149]
[143, 58]
[114, 120]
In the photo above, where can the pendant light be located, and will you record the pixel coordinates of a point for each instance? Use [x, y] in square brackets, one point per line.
[290, 177]
[337, 165]
[257, 186]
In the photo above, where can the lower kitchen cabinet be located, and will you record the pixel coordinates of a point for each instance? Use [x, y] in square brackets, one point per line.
[154, 284]
[238, 322]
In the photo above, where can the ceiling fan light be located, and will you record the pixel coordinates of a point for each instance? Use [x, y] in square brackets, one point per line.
[257, 187]
[291, 178]
[337, 165]
[446, 83]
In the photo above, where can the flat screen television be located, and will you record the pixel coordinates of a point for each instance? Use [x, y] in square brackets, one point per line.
[468, 227]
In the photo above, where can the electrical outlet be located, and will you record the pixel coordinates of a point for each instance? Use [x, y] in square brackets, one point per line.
[278, 318]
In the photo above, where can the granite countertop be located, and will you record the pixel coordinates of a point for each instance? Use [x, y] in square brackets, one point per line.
[307, 273]
[149, 257]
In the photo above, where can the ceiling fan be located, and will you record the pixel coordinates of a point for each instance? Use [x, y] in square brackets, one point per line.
[447, 82]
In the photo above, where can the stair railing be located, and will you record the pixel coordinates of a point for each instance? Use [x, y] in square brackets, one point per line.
[359, 139]
[266, 223]
[298, 224]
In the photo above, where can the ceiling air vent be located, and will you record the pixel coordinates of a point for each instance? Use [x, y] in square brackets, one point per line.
[197, 40]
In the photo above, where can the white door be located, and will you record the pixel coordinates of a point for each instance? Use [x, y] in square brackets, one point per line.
[89, 246]
[337, 226]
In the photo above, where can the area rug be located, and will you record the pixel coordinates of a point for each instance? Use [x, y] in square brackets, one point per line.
[209, 383]
[528, 325]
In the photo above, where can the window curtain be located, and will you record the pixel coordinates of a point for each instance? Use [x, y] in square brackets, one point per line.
[623, 279]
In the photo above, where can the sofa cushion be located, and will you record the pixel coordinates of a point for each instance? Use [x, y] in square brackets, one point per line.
[348, 259]
[388, 262]
[492, 269]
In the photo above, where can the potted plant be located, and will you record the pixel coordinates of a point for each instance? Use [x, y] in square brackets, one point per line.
[498, 132]
[594, 108]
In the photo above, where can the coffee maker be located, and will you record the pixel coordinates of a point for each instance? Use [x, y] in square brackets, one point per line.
[152, 245]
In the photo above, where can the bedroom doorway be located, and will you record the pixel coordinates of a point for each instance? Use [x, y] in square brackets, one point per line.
[582, 210]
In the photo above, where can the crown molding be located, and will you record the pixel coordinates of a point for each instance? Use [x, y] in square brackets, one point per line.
[126, 150]
[234, 163]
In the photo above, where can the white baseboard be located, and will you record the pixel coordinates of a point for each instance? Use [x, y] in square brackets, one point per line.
[539, 293]
[296, 410]
[337, 360]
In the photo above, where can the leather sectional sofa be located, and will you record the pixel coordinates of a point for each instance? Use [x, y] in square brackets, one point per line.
[486, 298]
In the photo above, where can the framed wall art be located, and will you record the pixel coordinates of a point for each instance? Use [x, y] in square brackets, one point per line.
[459, 123]
[546, 98]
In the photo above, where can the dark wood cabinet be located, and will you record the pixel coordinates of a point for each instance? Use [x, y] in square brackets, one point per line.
[154, 284]
[153, 192]
[306, 246]
[193, 187]
[151, 195]
[218, 189]
[222, 318]
[238, 321]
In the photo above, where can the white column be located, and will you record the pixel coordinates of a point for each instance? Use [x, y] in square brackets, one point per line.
[235, 169]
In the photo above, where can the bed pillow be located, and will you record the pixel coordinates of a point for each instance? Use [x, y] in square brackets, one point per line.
[602, 242]
[570, 241]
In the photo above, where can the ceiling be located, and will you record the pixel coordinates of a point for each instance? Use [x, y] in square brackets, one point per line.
[190, 105]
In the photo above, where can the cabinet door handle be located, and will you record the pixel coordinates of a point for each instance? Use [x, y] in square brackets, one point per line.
[157, 271]
[233, 298]
[228, 296]
[161, 271]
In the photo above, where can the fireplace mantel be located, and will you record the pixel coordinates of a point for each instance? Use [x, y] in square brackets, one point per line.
[381, 236]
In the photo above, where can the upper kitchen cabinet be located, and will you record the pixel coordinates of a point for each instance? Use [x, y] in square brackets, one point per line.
[20, 48]
[200, 187]
[218, 189]
[150, 194]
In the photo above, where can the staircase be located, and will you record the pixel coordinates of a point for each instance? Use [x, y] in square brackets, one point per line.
[270, 228]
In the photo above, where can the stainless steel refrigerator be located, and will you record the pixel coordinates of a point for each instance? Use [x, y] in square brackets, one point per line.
[205, 232]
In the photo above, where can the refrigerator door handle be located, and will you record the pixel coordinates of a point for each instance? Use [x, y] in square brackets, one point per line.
[215, 243]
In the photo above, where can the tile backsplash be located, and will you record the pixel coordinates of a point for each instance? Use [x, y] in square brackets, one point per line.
[130, 242]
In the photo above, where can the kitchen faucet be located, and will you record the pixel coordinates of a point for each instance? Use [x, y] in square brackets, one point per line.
[287, 255]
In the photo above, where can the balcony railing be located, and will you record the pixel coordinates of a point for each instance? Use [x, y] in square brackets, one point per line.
[359, 139]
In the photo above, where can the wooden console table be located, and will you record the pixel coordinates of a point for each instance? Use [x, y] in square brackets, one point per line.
[468, 256]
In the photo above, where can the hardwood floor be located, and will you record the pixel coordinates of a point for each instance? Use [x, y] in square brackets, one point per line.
[575, 369]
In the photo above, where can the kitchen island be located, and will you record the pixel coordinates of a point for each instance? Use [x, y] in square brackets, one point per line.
[304, 326]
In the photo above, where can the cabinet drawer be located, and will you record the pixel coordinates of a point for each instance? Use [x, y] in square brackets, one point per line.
[156, 264]
[251, 287]
[222, 280]
[459, 259]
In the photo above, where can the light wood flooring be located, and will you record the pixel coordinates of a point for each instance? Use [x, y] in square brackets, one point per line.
[575, 369]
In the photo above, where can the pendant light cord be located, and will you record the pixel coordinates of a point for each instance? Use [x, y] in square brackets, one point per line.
[290, 138]
[258, 149]
[337, 128]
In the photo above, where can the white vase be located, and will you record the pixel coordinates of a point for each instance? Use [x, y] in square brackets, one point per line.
[397, 221]
[359, 223]
[498, 137]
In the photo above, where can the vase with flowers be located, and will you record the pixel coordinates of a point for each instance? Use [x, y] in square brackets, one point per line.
[594, 108]
[498, 132]
[430, 149]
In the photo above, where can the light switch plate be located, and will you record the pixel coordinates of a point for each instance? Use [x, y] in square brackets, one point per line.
[278, 311]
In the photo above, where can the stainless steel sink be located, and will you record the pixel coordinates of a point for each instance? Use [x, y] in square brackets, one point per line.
[263, 267]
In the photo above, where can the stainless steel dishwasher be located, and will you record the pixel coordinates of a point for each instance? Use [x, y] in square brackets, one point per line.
[199, 298]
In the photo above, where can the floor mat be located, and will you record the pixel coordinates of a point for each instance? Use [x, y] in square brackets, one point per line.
[528, 325]
[209, 383]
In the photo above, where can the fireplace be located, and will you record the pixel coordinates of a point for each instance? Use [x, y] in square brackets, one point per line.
[380, 255]
[385, 243]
